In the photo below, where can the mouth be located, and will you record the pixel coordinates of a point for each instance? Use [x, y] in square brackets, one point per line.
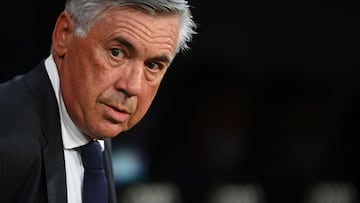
[115, 113]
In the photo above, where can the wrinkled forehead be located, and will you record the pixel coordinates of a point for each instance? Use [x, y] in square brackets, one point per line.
[159, 32]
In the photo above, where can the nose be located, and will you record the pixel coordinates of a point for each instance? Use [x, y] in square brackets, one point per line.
[130, 79]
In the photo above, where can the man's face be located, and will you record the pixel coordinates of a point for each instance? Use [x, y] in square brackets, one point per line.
[110, 77]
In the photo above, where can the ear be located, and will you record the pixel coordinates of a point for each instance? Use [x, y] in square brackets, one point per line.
[62, 34]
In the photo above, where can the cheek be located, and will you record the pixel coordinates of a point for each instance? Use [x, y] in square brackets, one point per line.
[97, 81]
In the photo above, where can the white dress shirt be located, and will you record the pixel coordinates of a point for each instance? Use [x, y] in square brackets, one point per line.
[72, 139]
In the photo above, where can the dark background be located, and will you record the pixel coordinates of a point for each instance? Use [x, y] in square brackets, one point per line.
[268, 95]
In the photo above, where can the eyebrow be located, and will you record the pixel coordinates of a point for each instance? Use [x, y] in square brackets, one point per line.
[126, 43]
[130, 46]
[162, 58]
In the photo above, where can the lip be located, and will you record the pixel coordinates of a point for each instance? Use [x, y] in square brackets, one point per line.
[116, 114]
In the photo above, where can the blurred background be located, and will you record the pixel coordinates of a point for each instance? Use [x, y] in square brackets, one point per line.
[263, 109]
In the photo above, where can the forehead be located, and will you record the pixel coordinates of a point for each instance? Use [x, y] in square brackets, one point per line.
[136, 25]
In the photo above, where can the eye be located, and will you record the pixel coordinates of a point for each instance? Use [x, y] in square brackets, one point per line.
[117, 52]
[154, 66]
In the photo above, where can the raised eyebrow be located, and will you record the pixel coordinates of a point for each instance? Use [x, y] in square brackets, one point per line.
[126, 43]
[162, 58]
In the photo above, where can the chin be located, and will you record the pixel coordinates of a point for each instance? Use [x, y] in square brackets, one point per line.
[104, 136]
[109, 129]
[106, 133]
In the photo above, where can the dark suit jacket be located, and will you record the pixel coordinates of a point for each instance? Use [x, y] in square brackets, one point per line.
[32, 167]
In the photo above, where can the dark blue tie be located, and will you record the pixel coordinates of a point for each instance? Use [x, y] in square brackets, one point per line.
[94, 184]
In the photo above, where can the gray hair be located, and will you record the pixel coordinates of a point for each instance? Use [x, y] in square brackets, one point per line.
[86, 12]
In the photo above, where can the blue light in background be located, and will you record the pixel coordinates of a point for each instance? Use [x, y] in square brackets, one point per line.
[129, 165]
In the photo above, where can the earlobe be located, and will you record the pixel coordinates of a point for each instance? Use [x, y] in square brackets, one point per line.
[62, 34]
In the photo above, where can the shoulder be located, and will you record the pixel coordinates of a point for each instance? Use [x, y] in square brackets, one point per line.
[16, 100]
[19, 115]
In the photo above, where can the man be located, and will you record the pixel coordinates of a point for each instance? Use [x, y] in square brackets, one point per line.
[107, 60]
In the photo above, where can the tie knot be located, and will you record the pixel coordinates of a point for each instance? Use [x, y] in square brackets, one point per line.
[91, 155]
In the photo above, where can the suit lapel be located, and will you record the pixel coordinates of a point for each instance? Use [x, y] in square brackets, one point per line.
[41, 88]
